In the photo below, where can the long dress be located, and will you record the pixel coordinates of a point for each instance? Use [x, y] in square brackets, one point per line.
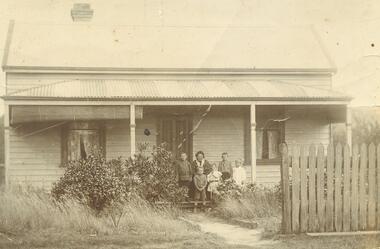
[239, 175]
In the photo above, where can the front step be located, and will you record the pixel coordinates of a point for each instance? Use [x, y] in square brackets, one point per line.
[194, 205]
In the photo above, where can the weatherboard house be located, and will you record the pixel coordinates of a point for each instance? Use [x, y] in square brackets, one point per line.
[240, 90]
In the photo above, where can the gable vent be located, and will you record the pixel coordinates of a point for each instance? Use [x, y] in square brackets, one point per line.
[82, 12]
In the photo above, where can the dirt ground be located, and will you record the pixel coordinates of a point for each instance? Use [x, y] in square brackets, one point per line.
[213, 234]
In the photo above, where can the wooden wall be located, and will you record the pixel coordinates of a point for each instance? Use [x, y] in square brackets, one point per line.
[218, 134]
[307, 126]
[118, 137]
[35, 159]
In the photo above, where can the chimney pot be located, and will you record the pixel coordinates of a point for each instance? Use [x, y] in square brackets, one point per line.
[82, 12]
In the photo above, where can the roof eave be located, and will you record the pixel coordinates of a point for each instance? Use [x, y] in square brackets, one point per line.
[119, 70]
[30, 98]
[7, 44]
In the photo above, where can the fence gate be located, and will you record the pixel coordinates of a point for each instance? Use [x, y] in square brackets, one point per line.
[330, 191]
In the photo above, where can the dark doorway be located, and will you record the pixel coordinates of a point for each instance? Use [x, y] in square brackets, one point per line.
[175, 131]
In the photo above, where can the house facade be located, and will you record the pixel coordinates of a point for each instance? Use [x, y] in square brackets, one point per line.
[240, 90]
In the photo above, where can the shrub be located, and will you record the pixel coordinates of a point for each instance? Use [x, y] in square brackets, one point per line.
[229, 189]
[95, 182]
[102, 184]
[156, 174]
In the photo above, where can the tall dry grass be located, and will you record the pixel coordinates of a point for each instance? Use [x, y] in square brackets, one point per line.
[261, 204]
[23, 211]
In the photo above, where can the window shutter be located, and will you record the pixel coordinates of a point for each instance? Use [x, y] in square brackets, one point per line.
[273, 142]
[74, 152]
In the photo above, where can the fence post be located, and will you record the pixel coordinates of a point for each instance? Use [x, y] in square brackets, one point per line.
[303, 190]
[338, 189]
[346, 188]
[371, 217]
[286, 210]
[312, 194]
[330, 189]
[320, 188]
[295, 189]
[354, 188]
[362, 188]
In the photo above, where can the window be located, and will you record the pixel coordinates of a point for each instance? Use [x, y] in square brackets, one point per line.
[81, 139]
[267, 143]
[269, 135]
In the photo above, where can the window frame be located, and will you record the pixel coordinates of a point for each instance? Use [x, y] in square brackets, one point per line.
[247, 155]
[77, 126]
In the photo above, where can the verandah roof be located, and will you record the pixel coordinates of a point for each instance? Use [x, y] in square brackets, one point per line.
[177, 89]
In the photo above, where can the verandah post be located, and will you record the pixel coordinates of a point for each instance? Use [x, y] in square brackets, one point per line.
[132, 125]
[6, 145]
[253, 141]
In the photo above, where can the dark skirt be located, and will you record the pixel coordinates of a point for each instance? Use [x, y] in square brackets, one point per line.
[226, 175]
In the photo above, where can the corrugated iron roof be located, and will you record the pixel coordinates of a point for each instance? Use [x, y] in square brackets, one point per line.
[177, 89]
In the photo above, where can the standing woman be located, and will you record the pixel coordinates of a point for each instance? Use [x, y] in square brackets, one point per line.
[201, 162]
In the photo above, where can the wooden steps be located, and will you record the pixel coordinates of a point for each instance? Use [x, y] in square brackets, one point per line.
[194, 205]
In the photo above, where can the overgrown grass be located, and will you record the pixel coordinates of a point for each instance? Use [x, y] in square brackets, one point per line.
[261, 204]
[22, 212]
[32, 219]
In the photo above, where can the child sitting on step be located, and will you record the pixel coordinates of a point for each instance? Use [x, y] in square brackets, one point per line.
[213, 180]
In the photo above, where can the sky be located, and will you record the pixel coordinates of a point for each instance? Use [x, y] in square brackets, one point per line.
[348, 28]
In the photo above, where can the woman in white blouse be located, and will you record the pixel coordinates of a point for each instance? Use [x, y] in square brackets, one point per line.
[239, 174]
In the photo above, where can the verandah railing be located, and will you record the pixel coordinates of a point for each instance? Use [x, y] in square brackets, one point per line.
[330, 189]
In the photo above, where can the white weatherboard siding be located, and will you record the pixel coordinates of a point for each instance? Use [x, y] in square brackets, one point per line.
[35, 159]
[307, 126]
[118, 136]
[268, 175]
[218, 134]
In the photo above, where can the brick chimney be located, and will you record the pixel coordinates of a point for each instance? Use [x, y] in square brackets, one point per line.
[82, 12]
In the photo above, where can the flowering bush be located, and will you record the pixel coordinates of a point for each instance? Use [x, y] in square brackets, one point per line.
[157, 176]
[95, 182]
[101, 184]
[229, 189]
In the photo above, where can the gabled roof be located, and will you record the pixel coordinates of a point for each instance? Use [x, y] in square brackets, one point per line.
[83, 47]
[176, 89]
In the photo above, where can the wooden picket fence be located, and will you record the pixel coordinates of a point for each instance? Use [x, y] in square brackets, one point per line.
[330, 190]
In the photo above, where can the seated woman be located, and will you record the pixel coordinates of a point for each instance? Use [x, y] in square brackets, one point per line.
[239, 174]
[213, 179]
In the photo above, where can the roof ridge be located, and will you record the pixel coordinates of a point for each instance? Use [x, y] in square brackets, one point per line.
[161, 26]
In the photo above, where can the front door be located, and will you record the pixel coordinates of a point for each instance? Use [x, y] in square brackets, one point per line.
[175, 133]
